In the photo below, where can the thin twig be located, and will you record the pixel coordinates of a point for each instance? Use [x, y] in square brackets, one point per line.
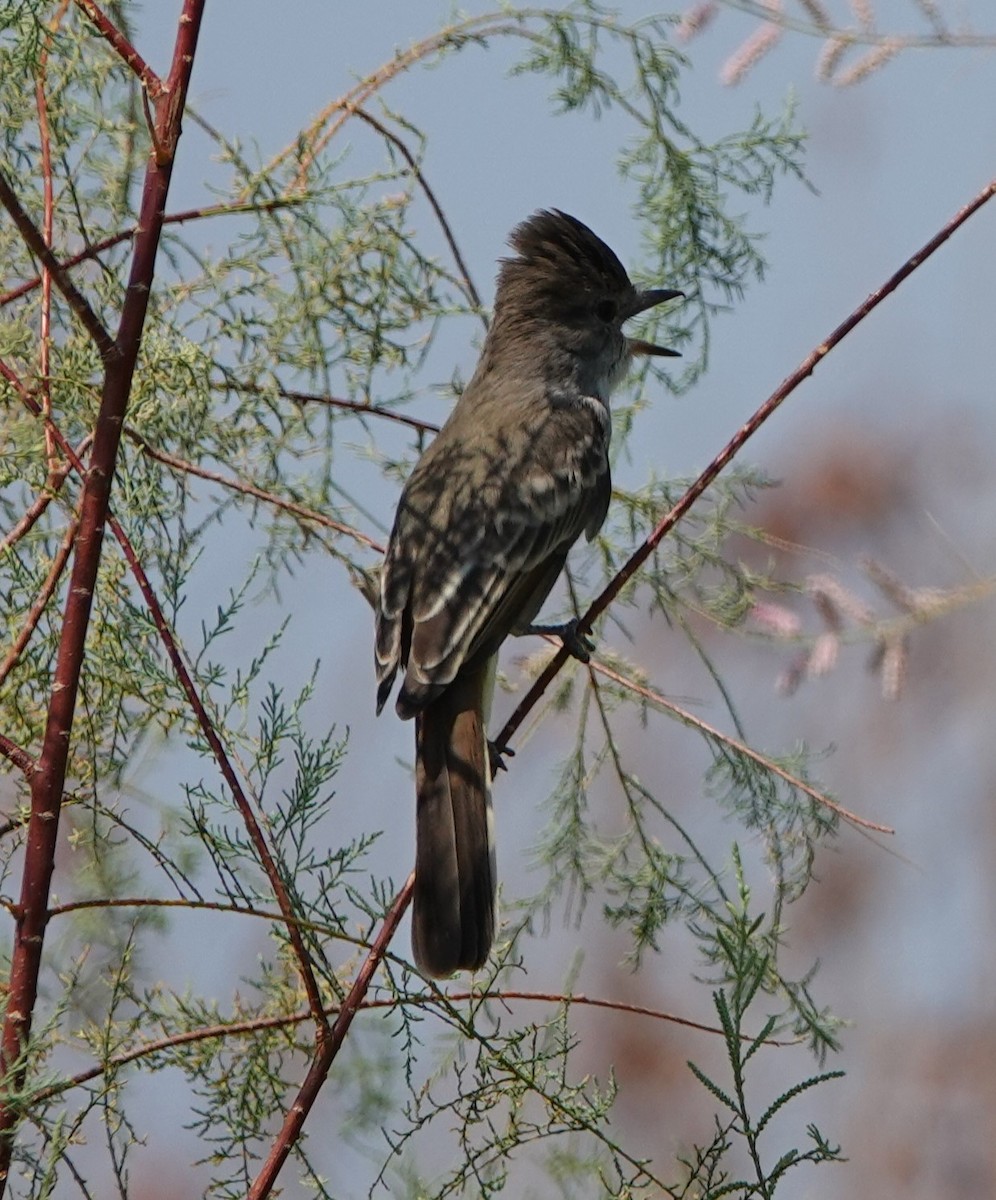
[125, 50]
[477, 27]
[864, 37]
[328, 1049]
[53, 484]
[35, 241]
[250, 489]
[687, 718]
[41, 600]
[233, 208]
[427, 999]
[430, 195]
[242, 803]
[48, 202]
[192, 905]
[355, 406]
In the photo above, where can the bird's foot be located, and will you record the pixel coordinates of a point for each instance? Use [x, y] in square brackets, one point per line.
[496, 757]
[578, 645]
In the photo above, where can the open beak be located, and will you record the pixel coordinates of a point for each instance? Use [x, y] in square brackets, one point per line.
[645, 300]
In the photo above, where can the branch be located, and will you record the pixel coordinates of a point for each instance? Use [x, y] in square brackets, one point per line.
[125, 50]
[863, 36]
[232, 208]
[316, 136]
[204, 720]
[53, 486]
[255, 1024]
[35, 241]
[242, 803]
[250, 489]
[430, 195]
[687, 718]
[328, 1049]
[120, 358]
[17, 755]
[45, 332]
[356, 406]
[228, 772]
[41, 600]
[838, 41]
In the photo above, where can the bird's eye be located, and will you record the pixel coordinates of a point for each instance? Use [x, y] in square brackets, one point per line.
[606, 310]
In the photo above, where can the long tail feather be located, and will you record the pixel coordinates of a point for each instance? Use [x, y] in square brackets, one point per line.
[453, 910]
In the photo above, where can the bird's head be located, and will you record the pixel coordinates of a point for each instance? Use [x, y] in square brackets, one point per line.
[566, 295]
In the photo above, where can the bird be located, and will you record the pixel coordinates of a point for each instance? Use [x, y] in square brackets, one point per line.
[517, 473]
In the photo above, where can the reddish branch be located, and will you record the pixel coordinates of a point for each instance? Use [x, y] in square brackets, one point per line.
[390, 136]
[52, 486]
[355, 406]
[185, 678]
[35, 241]
[733, 447]
[328, 1048]
[177, 218]
[242, 802]
[125, 50]
[120, 356]
[739, 747]
[197, 705]
[17, 755]
[27, 764]
[252, 1025]
[250, 489]
[45, 333]
[23, 637]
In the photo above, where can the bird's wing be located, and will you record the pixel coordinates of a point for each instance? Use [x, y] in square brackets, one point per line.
[475, 550]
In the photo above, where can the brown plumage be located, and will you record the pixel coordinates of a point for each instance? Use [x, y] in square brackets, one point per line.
[517, 473]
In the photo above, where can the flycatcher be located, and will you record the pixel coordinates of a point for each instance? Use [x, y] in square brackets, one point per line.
[516, 474]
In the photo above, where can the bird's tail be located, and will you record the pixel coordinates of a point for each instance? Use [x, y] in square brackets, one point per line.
[453, 910]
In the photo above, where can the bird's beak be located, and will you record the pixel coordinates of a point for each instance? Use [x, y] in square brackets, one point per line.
[639, 346]
[643, 301]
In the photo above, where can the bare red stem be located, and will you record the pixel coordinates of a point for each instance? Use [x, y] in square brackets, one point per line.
[250, 489]
[45, 332]
[17, 755]
[127, 52]
[242, 802]
[23, 637]
[390, 136]
[43, 499]
[35, 241]
[354, 406]
[328, 1049]
[120, 357]
[177, 218]
[203, 718]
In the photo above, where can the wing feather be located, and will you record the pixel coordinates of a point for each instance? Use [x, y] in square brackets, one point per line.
[480, 536]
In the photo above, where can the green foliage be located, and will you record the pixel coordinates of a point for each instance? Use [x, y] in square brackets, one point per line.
[748, 965]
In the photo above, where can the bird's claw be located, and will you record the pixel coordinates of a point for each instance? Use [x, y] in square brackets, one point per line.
[496, 757]
[578, 645]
